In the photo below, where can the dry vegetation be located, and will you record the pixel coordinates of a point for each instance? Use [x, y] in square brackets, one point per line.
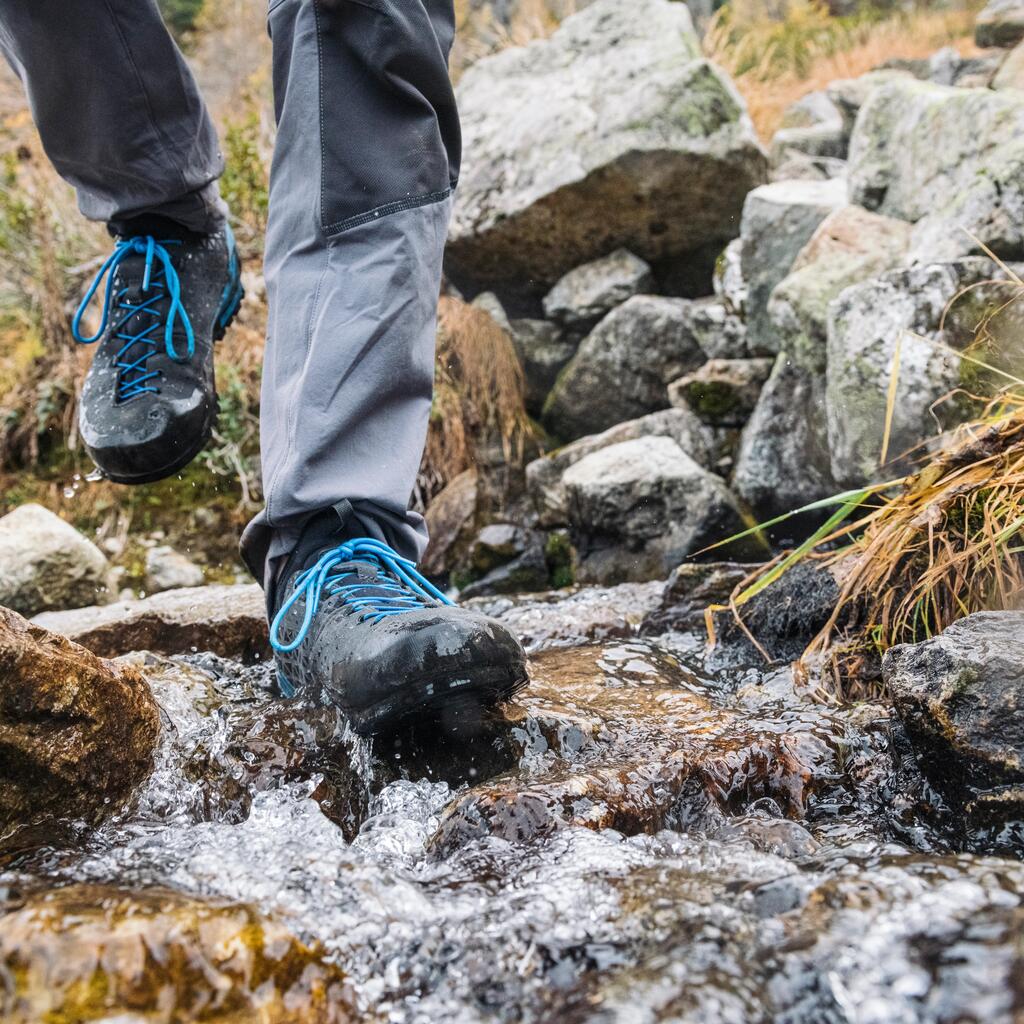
[914, 555]
[776, 60]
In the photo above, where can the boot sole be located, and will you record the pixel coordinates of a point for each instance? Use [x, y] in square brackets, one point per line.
[230, 304]
[457, 702]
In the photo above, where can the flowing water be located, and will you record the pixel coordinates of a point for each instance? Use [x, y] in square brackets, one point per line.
[638, 840]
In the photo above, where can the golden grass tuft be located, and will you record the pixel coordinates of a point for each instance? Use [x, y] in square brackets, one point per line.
[777, 57]
[478, 399]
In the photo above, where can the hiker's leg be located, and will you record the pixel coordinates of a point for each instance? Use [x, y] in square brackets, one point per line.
[117, 108]
[367, 154]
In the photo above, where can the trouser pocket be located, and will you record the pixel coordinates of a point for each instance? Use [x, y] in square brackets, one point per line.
[389, 130]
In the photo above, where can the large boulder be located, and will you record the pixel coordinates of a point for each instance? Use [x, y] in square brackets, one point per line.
[544, 475]
[76, 733]
[45, 563]
[1001, 23]
[586, 294]
[961, 698]
[903, 307]
[966, 190]
[850, 94]
[778, 221]
[612, 132]
[813, 125]
[229, 620]
[623, 367]
[783, 460]
[92, 953]
[638, 508]
[849, 246]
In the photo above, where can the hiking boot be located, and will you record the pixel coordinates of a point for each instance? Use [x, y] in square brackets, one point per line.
[359, 627]
[149, 402]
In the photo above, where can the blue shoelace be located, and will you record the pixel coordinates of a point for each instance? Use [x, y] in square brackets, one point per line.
[161, 278]
[377, 600]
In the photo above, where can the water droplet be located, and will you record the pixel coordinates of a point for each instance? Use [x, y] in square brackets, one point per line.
[69, 492]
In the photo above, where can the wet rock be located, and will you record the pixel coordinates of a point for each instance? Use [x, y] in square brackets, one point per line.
[1011, 74]
[45, 563]
[450, 517]
[783, 618]
[730, 288]
[228, 620]
[971, 187]
[778, 220]
[544, 475]
[618, 736]
[691, 589]
[813, 125]
[506, 559]
[76, 733]
[585, 295]
[89, 952]
[783, 460]
[865, 324]
[638, 508]
[723, 392]
[543, 353]
[960, 697]
[616, 103]
[167, 569]
[1001, 23]
[623, 367]
[557, 619]
[849, 246]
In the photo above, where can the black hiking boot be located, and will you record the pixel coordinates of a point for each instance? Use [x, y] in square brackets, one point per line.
[149, 403]
[357, 626]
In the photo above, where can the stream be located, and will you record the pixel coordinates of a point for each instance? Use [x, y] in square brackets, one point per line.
[638, 839]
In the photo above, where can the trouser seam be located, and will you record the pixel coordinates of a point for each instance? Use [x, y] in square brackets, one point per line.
[385, 210]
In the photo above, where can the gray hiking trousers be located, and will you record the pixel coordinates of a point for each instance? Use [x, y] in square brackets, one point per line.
[367, 156]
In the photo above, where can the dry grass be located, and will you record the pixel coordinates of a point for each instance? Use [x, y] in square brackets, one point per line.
[478, 416]
[775, 63]
[928, 549]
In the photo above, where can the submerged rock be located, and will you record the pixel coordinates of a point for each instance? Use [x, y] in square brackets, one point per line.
[586, 294]
[967, 190]
[228, 620]
[638, 508]
[623, 367]
[45, 563]
[960, 696]
[612, 132]
[77, 734]
[89, 952]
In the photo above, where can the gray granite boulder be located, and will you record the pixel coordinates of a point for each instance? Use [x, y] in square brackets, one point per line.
[778, 221]
[1011, 74]
[638, 508]
[1000, 23]
[949, 160]
[727, 281]
[543, 351]
[960, 696]
[167, 569]
[623, 367]
[813, 125]
[865, 324]
[849, 246]
[544, 476]
[612, 132]
[46, 564]
[586, 294]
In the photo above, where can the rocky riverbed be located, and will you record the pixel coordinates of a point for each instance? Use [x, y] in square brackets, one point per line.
[643, 836]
